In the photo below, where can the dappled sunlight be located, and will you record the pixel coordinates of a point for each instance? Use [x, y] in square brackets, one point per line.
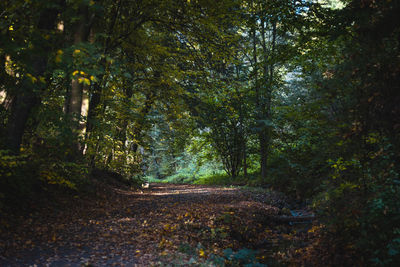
[157, 191]
[199, 133]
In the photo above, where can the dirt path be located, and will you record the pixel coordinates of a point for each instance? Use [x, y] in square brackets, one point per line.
[166, 223]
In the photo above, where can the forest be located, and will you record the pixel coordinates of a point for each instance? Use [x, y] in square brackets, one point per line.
[199, 133]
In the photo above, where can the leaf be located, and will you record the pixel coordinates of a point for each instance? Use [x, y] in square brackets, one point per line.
[201, 253]
[127, 75]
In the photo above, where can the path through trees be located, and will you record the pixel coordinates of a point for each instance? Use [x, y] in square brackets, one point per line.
[166, 223]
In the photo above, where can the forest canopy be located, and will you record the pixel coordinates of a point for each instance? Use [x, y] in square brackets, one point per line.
[299, 96]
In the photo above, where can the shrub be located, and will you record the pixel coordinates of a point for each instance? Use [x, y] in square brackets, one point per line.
[361, 205]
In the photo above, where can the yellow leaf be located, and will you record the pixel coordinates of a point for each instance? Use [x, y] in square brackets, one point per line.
[75, 72]
[164, 253]
[33, 79]
[11, 28]
[86, 81]
[77, 51]
[201, 253]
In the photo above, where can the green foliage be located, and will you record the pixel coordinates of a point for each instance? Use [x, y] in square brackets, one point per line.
[126, 165]
[17, 176]
[180, 91]
[362, 198]
[10, 163]
[69, 175]
[243, 257]
[27, 175]
[221, 179]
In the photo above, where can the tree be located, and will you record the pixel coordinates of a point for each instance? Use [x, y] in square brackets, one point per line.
[26, 61]
[271, 27]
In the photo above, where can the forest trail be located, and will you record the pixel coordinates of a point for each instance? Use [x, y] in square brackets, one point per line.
[165, 223]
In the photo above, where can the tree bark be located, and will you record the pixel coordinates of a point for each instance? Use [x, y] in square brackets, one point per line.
[75, 102]
[123, 134]
[265, 105]
[95, 96]
[244, 159]
[20, 109]
[259, 107]
[94, 102]
[263, 135]
[81, 35]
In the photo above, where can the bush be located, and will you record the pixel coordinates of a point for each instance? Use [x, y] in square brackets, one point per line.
[70, 175]
[18, 177]
[361, 206]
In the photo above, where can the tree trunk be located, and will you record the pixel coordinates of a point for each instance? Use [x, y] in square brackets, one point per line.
[94, 101]
[20, 109]
[265, 105]
[124, 125]
[75, 102]
[263, 154]
[263, 136]
[244, 159]
[270, 85]
[95, 97]
[259, 107]
[27, 97]
[84, 113]
[81, 34]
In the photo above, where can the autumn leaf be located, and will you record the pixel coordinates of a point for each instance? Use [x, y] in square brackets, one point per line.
[201, 253]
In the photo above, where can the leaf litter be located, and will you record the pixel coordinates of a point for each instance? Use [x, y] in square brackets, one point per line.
[159, 225]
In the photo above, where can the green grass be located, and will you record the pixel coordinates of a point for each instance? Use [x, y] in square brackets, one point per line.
[252, 179]
[173, 179]
[220, 179]
[209, 178]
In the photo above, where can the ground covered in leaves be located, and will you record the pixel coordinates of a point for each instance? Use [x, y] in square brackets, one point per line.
[164, 225]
